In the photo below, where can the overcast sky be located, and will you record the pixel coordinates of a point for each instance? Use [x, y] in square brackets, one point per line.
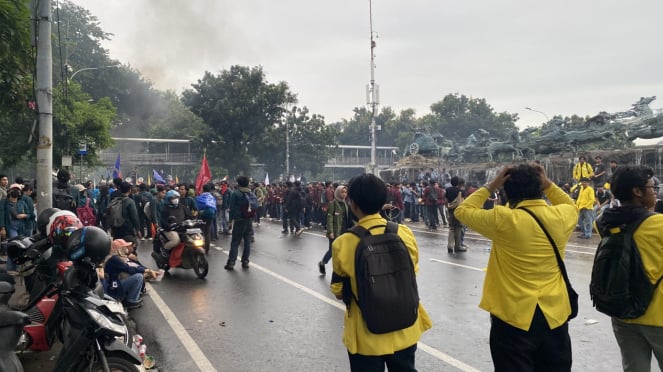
[559, 57]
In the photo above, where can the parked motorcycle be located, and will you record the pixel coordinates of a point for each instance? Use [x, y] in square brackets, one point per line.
[92, 333]
[188, 254]
[45, 275]
[11, 326]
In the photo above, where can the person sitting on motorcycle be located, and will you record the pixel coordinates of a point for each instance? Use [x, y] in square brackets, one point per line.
[172, 213]
[124, 280]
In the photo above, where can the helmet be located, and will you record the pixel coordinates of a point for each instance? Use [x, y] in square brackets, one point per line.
[89, 242]
[44, 218]
[172, 194]
[61, 225]
[17, 249]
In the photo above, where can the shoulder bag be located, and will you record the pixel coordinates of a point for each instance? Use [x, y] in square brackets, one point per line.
[573, 295]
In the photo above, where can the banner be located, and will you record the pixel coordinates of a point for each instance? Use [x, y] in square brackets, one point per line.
[157, 177]
[116, 170]
[204, 176]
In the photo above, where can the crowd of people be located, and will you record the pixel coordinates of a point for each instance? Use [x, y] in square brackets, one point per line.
[528, 217]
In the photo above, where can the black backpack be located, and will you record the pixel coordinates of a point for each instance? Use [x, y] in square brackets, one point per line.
[619, 286]
[432, 194]
[64, 200]
[115, 212]
[387, 291]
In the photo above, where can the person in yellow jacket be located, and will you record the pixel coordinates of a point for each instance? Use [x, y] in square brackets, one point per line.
[524, 290]
[585, 203]
[369, 351]
[582, 169]
[639, 337]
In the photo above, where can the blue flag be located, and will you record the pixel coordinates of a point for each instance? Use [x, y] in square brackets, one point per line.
[157, 177]
[117, 173]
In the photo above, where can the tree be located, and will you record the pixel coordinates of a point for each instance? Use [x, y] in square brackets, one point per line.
[239, 106]
[457, 116]
[16, 64]
[79, 121]
[311, 143]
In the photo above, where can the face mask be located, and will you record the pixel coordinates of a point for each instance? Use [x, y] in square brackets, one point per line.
[175, 201]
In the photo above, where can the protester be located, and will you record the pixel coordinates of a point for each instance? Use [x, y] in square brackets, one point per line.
[242, 226]
[585, 203]
[582, 170]
[369, 351]
[338, 221]
[639, 337]
[524, 290]
[123, 281]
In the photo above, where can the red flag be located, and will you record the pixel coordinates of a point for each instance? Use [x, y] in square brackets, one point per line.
[204, 176]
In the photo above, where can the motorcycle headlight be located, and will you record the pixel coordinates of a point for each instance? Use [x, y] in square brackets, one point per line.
[198, 243]
[104, 322]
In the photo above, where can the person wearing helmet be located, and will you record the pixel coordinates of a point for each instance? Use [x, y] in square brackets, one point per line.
[173, 212]
[60, 226]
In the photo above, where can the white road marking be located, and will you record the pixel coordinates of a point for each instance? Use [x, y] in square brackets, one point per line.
[458, 265]
[426, 348]
[189, 344]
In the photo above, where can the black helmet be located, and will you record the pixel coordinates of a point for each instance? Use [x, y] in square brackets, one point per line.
[18, 249]
[43, 219]
[88, 242]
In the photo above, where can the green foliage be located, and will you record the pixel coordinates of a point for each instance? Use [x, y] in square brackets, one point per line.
[78, 120]
[311, 143]
[239, 106]
[457, 116]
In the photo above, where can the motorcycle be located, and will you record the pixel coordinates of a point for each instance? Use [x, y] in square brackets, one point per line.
[11, 325]
[188, 254]
[92, 333]
[44, 274]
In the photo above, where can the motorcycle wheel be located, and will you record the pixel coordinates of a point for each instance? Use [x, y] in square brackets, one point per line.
[115, 364]
[200, 266]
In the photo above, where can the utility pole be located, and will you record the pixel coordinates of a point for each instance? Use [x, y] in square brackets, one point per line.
[373, 95]
[44, 105]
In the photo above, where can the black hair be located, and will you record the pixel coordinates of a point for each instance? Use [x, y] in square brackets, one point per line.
[117, 181]
[454, 181]
[243, 181]
[207, 187]
[367, 192]
[524, 183]
[626, 178]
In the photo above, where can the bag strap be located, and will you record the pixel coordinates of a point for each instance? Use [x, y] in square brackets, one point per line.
[562, 267]
[87, 202]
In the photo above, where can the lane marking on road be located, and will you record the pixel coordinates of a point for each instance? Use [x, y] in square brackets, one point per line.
[426, 348]
[458, 265]
[189, 344]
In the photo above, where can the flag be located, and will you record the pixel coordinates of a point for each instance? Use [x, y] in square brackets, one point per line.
[177, 180]
[149, 182]
[266, 179]
[116, 170]
[157, 177]
[204, 176]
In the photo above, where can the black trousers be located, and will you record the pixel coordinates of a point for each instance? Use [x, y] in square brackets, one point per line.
[400, 361]
[539, 349]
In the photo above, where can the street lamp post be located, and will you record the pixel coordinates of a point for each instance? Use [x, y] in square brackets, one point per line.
[540, 112]
[71, 78]
[372, 94]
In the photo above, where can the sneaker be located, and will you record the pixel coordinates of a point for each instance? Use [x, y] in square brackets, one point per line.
[229, 266]
[253, 240]
[142, 239]
[245, 264]
[150, 238]
[299, 232]
[133, 305]
[321, 267]
[284, 232]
